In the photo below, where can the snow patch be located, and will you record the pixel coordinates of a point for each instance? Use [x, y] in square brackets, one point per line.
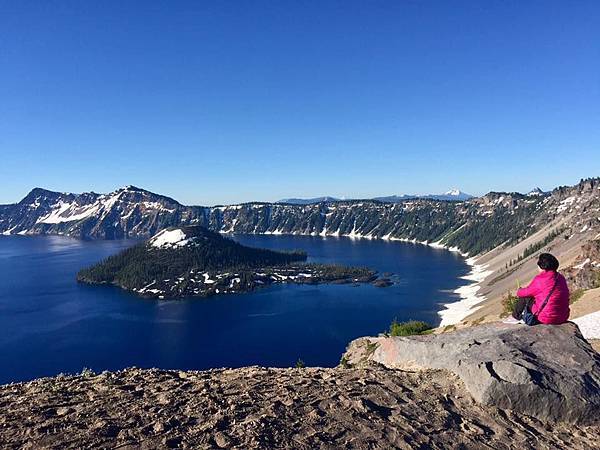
[469, 294]
[582, 265]
[169, 238]
[207, 279]
[589, 325]
[565, 204]
[68, 212]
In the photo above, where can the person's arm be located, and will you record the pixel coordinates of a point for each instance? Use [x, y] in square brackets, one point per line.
[529, 291]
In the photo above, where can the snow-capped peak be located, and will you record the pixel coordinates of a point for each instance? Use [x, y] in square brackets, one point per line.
[452, 194]
[129, 188]
[535, 192]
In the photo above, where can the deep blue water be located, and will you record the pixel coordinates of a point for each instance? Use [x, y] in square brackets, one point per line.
[51, 324]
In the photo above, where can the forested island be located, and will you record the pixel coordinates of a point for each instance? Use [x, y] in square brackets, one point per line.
[193, 261]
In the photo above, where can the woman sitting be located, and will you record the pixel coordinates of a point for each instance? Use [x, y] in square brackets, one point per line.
[546, 299]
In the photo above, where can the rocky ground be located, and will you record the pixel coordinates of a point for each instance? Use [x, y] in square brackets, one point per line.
[268, 408]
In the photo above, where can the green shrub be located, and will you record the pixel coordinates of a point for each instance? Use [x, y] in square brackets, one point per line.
[344, 363]
[370, 347]
[533, 248]
[478, 321]
[508, 304]
[300, 364]
[576, 295]
[409, 328]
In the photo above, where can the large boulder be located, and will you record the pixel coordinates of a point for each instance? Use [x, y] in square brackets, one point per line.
[547, 371]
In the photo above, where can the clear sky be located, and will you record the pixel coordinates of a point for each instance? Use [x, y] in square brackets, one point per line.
[216, 102]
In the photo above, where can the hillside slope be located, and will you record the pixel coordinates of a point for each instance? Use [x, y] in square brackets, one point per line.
[570, 229]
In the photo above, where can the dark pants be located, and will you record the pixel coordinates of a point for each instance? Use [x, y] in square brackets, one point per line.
[523, 305]
[520, 306]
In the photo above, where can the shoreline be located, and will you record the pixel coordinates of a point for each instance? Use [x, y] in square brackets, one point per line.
[470, 300]
[453, 312]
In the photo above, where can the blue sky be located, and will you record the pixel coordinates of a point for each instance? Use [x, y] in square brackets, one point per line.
[222, 102]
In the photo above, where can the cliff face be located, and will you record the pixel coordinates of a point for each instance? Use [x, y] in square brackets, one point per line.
[473, 226]
[585, 271]
[268, 408]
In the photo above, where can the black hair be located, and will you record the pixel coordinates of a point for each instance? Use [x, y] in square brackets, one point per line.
[546, 261]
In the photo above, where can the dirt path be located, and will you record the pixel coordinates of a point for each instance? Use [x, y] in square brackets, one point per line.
[266, 408]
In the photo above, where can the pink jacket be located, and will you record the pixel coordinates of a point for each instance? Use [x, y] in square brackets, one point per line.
[557, 309]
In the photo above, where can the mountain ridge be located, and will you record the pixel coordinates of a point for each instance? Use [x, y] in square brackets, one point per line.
[453, 194]
[473, 226]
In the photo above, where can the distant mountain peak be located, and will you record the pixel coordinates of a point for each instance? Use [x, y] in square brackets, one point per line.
[535, 192]
[308, 201]
[453, 194]
[131, 188]
[36, 190]
[39, 194]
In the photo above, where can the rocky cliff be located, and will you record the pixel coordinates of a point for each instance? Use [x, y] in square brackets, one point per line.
[473, 226]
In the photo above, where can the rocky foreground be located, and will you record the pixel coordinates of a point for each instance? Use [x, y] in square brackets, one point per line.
[494, 386]
[268, 408]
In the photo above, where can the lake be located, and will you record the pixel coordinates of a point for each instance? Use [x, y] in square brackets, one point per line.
[50, 324]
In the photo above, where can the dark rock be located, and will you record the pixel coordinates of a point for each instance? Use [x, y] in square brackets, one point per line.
[341, 281]
[222, 440]
[172, 442]
[382, 282]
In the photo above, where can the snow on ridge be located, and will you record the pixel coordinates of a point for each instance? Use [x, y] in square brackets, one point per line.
[68, 212]
[72, 210]
[566, 203]
[156, 205]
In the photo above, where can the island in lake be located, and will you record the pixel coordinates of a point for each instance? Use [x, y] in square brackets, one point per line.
[193, 261]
